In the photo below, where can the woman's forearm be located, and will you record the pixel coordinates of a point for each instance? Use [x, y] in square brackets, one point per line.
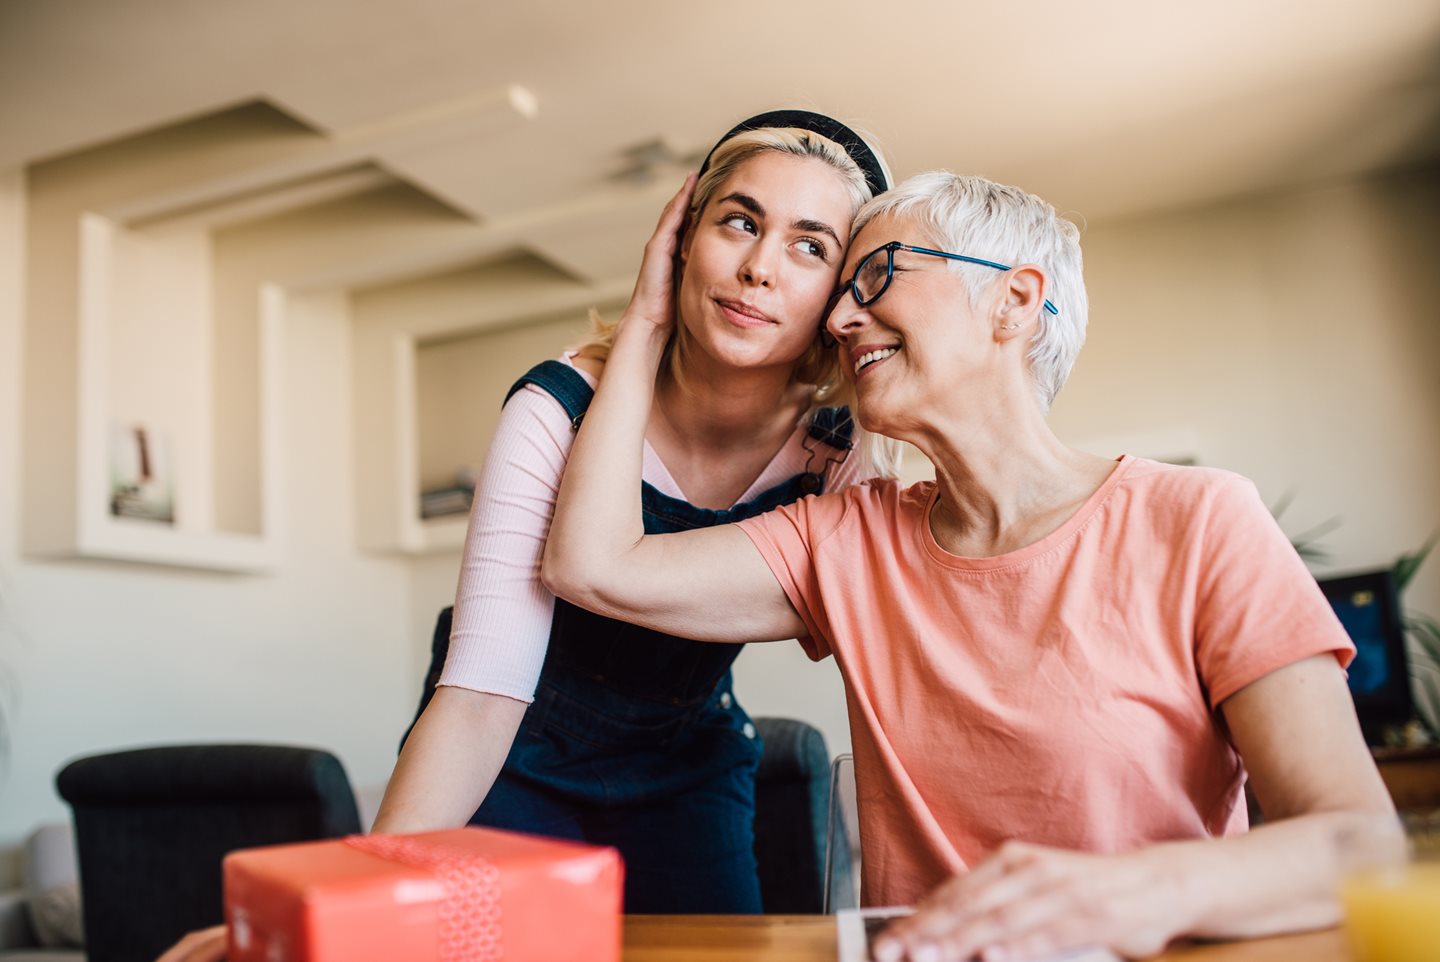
[449, 761]
[597, 515]
[1027, 901]
[1281, 877]
[709, 583]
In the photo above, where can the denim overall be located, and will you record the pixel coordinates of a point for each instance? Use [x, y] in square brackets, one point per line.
[635, 738]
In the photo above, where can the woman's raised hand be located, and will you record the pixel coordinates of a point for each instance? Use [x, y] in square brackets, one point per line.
[653, 302]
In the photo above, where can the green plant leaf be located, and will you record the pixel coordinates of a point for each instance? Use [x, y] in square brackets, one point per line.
[1280, 507]
[1408, 564]
[1426, 631]
[1306, 543]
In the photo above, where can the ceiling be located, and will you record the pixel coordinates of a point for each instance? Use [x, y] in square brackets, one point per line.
[1109, 109]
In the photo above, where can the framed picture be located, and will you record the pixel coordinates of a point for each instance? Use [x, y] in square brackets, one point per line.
[140, 474]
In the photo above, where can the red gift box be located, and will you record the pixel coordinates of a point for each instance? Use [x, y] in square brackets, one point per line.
[467, 895]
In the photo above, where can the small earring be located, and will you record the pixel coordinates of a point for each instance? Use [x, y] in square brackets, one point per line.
[1009, 327]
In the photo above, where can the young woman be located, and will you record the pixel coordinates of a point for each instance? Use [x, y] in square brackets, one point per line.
[1060, 668]
[634, 737]
[548, 719]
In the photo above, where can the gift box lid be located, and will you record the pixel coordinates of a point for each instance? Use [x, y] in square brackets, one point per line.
[302, 866]
[468, 892]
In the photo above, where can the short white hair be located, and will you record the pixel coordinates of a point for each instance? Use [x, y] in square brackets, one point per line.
[980, 218]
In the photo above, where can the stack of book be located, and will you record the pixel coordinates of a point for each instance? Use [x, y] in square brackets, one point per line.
[450, 499]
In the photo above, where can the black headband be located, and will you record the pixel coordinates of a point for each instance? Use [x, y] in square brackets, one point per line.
[827, 127]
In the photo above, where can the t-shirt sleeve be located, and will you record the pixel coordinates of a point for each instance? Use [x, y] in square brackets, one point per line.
[1257, 608]
[502, 610]
[787, 538]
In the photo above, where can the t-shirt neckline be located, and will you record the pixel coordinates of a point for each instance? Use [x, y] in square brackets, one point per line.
[1031, 551]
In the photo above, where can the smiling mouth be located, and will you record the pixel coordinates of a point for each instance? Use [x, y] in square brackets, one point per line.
[874, 357]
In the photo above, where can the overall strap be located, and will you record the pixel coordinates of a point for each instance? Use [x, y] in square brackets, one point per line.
[833, 426]
[561, 381]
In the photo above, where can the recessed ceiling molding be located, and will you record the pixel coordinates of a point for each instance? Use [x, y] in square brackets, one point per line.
[237, 186]
[389, 141]
[507, 312]
[479, 115]
[270, 202]
[528, 230]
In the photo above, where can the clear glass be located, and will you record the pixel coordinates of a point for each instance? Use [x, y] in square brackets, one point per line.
[873, 273]
[842, 840]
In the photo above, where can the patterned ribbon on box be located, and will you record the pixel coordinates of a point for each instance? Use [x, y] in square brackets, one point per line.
[470, 911]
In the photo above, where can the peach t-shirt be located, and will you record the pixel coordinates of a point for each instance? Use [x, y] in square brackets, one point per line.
[1063, 693]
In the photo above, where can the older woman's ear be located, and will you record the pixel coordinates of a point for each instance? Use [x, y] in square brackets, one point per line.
[1022, 301]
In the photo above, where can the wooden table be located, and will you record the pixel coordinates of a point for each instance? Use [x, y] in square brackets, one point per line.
[811, 938]
[1412, 775]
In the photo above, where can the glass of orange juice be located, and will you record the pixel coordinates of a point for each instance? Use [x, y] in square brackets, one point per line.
[1392, 913]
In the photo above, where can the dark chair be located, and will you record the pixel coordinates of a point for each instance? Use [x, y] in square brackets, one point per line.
[792, 807]
[152, 825]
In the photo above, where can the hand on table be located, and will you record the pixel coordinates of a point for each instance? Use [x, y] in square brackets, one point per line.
[1027, 902]
[204, 945]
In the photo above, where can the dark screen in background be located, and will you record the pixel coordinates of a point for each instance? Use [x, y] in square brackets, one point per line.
[1360, 614]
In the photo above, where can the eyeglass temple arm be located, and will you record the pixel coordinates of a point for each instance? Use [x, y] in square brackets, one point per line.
[971, 260]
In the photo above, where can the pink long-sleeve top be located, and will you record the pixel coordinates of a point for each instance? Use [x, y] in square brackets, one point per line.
[502, 610]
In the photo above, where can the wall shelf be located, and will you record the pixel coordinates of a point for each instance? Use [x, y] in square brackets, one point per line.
[118, 372]
[403, 421]
[160, 272]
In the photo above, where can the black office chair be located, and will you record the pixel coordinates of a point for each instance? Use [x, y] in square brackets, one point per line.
[792, 807]
[152, 825]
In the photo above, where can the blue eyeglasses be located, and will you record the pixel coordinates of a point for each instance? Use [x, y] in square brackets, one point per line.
[874, 273]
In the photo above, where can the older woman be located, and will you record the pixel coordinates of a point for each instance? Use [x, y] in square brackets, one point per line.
[1060, 668]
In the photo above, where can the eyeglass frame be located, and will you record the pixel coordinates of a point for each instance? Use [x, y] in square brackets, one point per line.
[890, 250]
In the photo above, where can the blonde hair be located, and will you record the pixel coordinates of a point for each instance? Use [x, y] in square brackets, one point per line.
[819, 366]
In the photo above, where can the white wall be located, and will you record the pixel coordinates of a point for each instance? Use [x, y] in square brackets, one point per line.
[12, 644]
[114, 655]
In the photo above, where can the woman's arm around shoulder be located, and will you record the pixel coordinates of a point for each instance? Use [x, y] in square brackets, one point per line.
[711, 584]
